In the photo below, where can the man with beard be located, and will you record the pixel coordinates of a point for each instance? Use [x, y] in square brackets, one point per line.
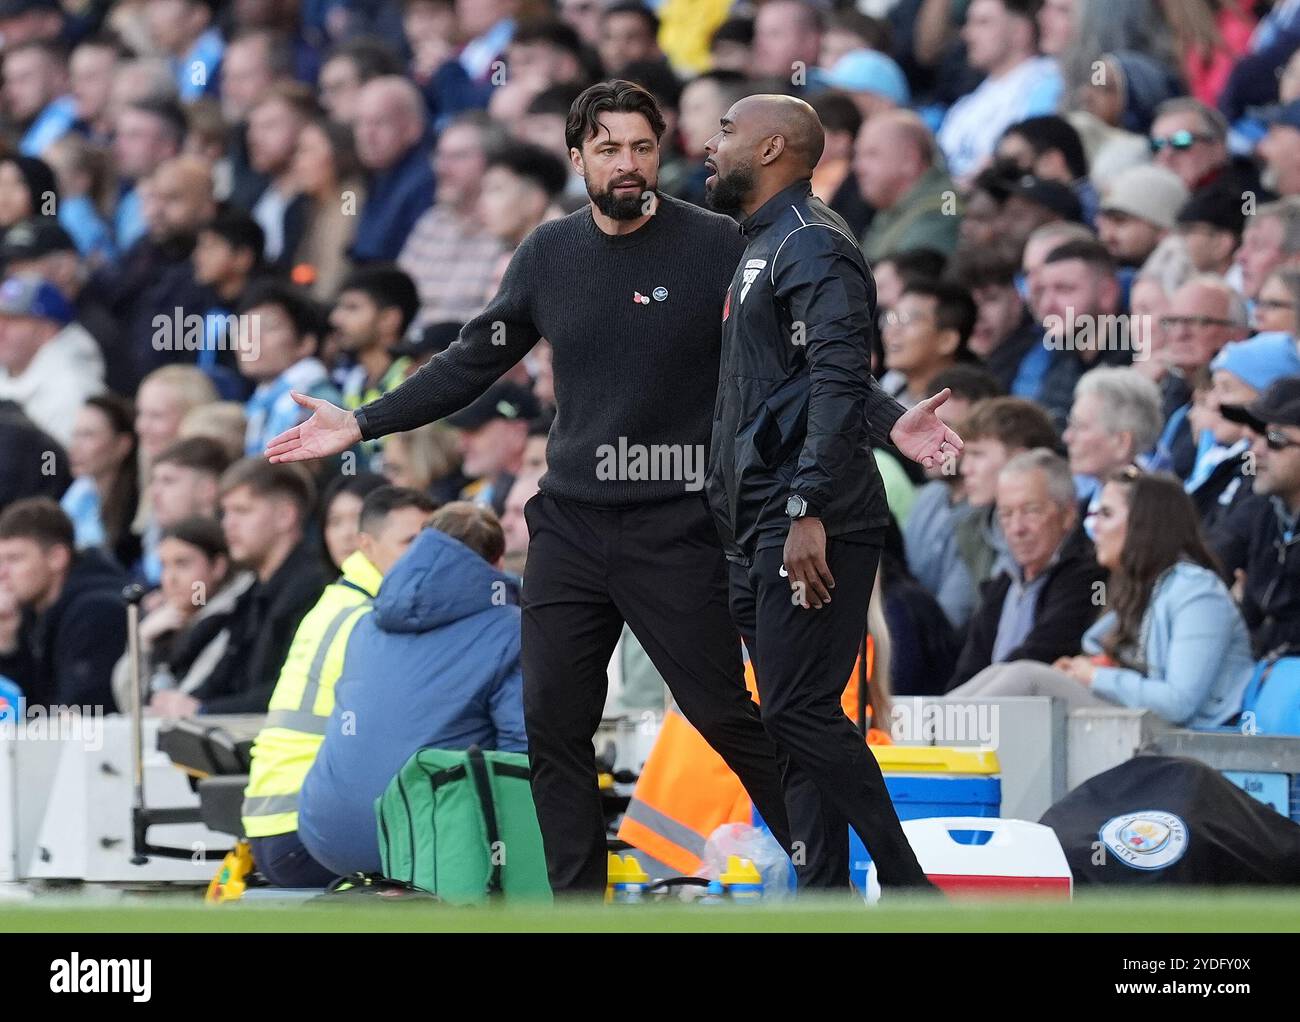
[628, 291]
[792, 480]
[155, 277]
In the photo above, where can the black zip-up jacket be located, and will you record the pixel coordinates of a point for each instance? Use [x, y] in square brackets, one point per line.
[798, 409]
[1261, 538]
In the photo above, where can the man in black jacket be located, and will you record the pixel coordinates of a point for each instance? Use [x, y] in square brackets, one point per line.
[72, 628]
[1260, 537]
[1041, 608]
[792, 480]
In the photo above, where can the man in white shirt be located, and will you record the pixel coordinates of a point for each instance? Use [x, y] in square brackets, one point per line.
[49, 364]
[1001, 39]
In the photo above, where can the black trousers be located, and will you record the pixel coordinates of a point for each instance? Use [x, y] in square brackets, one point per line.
[659, 568]
[802, 660]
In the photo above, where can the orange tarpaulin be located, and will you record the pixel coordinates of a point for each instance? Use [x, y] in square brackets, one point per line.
[686, 791]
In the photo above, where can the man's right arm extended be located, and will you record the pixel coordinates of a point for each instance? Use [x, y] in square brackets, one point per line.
[489, 344]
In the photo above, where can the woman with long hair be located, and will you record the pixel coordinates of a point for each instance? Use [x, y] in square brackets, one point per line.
[106, 484]
[1171, 640]
[327, 172]
[340, 516]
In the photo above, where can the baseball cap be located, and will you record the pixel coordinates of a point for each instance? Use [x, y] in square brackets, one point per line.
[1280, 405]
[1260, 360]
[427, 341]
[870, 71]
[502, 400]
[1285, 114]
[30, 295]
[34, 238]
[1215, 206]
[1148, 192]
[1053, 195]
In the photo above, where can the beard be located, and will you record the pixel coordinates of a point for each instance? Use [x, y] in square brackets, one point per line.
[729, 192]
[621, 207]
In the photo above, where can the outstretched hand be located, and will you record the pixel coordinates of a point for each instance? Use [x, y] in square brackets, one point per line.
[330, 430]
[921, 435]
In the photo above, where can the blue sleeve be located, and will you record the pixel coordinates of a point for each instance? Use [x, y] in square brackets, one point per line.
[1198, 646]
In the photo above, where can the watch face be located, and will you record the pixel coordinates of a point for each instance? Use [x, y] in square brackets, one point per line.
[794, 507]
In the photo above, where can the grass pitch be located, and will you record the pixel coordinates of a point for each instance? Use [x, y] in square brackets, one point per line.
[1122, 912]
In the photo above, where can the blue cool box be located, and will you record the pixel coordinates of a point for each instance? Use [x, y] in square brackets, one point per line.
[917, 796]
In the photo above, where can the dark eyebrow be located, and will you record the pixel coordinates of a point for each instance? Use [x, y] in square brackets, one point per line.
[725, 121]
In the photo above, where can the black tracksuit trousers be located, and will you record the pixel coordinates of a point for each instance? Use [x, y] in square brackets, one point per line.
[802, 661]
[658, 567]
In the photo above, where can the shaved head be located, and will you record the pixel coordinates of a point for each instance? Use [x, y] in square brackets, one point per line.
[766, 144]
[793, 120]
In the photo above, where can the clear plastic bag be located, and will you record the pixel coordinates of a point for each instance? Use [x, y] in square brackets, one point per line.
[760, 848]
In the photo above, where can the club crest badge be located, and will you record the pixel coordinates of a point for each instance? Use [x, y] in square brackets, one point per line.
[1148, 839]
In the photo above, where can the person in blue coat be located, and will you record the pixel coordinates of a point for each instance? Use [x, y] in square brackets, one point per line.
[435, 664]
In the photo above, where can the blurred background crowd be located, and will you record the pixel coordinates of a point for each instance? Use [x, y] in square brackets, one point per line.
[1083, 217]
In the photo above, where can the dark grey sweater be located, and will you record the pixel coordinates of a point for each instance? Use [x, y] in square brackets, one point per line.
[635, 381]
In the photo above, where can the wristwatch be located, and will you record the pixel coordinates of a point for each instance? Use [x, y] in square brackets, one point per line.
[796, 506]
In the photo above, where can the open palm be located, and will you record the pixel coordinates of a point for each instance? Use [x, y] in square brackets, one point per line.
[923, 436]
[330, 430]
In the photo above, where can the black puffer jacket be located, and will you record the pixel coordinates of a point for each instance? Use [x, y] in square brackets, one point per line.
[798, 408]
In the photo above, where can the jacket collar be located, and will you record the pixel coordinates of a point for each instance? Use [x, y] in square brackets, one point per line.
[360, 572]
[768, 213]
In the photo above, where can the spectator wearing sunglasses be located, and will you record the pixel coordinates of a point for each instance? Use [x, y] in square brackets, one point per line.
[1224, 470]
[1259, 543]
[1191, 139]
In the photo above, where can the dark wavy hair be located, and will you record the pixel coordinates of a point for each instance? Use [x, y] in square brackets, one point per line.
[117, 507]
[615, 96]
[1163, 529]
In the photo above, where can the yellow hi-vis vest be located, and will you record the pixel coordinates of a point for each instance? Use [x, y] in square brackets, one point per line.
[303, 699]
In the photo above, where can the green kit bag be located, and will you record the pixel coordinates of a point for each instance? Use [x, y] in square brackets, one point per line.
[461, 824]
